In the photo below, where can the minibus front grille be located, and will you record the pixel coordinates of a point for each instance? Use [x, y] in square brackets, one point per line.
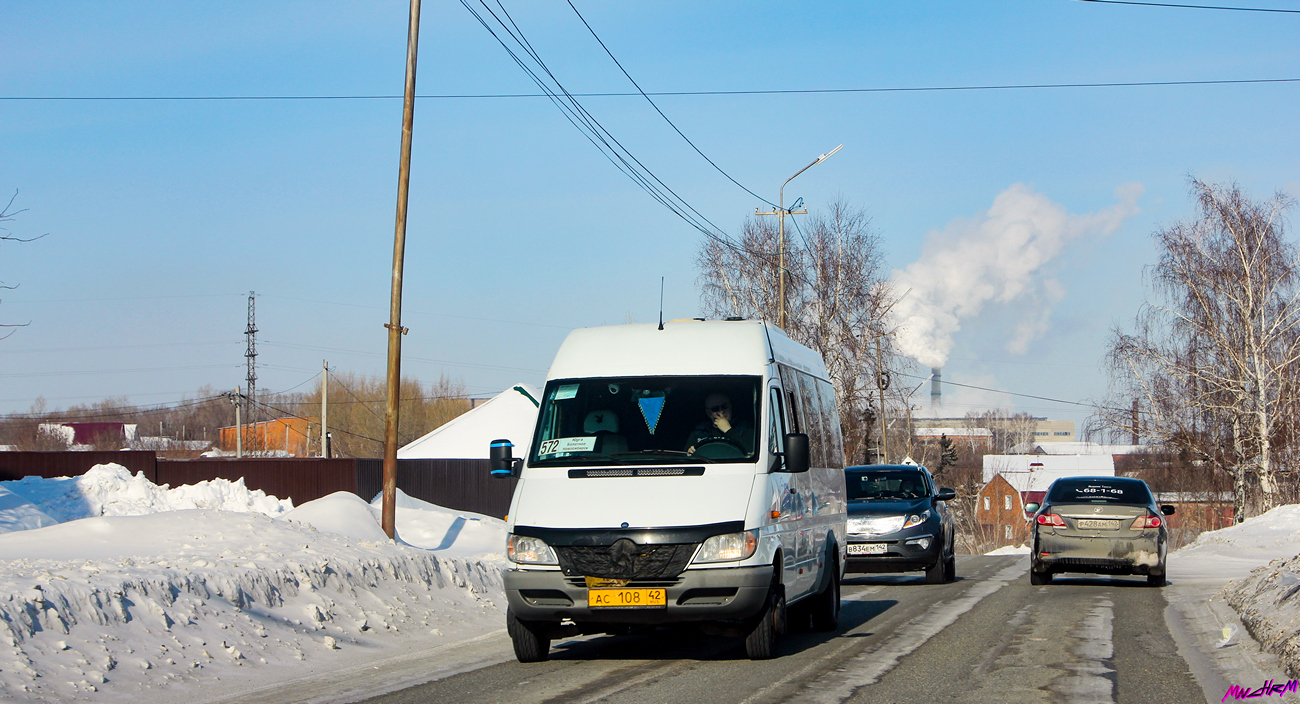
[581, 582]
[625, 560]
[636, 472]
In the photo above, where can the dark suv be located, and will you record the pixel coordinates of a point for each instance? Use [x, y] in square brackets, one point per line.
[1108, 525]
[898, 522]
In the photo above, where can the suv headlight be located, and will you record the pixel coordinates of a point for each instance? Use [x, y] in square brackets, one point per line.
[726, 548]
[529, 551]
[917, 519]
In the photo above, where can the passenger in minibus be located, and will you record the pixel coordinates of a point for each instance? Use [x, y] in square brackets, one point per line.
[721, 427]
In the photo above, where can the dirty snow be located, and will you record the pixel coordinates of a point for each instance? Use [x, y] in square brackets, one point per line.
[113, 589]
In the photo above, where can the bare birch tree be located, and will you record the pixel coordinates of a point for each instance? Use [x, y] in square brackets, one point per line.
[1213, 359]
[837, 295]
[7, 215]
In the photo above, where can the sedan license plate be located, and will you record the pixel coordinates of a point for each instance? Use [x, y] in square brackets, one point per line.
[868, 548]
[1096, 524]
[626, 598]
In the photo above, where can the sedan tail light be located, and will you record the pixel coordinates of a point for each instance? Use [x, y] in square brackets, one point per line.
[1050, 519]
[1144, 522]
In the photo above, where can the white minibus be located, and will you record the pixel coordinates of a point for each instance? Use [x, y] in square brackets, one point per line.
[689, 472]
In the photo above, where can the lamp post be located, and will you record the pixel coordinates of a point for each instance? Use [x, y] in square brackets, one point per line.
[781, 212]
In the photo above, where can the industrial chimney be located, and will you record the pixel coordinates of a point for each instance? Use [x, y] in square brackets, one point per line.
[935, 401]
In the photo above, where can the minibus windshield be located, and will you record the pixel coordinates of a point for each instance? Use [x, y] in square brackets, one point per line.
[651, 419]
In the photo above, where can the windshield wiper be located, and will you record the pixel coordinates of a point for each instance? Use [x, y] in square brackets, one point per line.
[668, 453]
[580, 459]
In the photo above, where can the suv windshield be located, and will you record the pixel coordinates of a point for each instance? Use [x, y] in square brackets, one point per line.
[890, 484]
[1088, 491]
[625, 420]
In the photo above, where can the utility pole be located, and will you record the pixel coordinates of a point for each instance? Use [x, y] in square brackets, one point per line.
[882, 382]
[251, 354]
[239, 425]
[781, 212]
[394, 325]
[324, 409]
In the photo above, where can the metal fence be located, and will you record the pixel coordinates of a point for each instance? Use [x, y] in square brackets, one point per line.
[462, 485]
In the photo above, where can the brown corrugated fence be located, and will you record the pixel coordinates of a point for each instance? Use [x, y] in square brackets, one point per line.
[463, 485]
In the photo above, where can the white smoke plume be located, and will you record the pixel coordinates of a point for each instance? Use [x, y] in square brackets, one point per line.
[997, 257]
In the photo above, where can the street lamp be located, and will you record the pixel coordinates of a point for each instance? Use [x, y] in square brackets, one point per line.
[781, 212]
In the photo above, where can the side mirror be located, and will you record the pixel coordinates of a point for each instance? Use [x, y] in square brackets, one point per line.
[1167, 510]
[1031, 507]
[501, 460]
[945, 494]
[796, 453]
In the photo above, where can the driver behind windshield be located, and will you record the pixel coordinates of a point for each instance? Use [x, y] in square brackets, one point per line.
[720, 427]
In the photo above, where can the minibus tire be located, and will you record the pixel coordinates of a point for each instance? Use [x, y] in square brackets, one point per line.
[760, 642]
[826, 605]
[530, 645]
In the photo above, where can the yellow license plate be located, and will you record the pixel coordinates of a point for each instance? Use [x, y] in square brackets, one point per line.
[626, 598]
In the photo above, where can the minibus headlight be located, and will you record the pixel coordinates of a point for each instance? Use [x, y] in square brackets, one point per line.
[529, 551]
[725, 548]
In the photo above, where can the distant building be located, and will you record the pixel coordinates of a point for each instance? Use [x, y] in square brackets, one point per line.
[84, 436]
[1011, 481]
[971, 439]
[281, 436]
[1044, 430]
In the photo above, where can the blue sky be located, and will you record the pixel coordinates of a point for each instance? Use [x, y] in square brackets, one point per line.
[163, 215]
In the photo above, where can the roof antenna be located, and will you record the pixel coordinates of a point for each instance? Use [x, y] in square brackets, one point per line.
[661, 303]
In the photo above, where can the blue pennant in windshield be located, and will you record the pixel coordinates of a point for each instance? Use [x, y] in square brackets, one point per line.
[651, 408]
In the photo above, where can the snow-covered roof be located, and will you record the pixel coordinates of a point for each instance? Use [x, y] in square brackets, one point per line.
[1017, 469]
[510, 414]
[1079, 448]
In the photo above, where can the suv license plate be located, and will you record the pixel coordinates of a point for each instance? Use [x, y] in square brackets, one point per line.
[868, 548]
[1096, 524]
[626, 598]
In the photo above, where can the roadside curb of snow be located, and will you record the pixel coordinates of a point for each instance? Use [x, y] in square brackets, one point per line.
[1268, 605]
[272, 619]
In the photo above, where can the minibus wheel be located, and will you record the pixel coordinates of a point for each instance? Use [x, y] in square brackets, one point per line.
[530, 644]
[826, 605]
[760, 642]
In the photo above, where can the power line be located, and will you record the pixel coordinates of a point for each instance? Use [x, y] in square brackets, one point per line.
[661, 112]
[120, 411]
[680, 93]
[1010, 393]
[1192, 7]
[590, 127]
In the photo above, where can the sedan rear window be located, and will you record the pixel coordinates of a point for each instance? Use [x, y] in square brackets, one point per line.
[886, 485]
[1086, 491]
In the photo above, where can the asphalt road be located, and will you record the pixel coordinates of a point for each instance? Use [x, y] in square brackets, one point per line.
[989, 637]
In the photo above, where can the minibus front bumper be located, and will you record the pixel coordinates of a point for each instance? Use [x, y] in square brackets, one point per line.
[693, 596]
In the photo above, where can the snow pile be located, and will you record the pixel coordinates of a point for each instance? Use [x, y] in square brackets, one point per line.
[157, 601]
[110, 490]
[1010, 550]
[1236, 550]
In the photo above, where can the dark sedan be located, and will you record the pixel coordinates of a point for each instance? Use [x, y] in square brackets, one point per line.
[898, 522]
[1107, 525]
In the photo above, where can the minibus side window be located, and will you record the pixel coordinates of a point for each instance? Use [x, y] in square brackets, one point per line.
[776, 424]
[834, 441]
[812, 419]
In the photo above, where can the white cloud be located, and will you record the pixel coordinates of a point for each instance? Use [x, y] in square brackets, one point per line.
[998, 257]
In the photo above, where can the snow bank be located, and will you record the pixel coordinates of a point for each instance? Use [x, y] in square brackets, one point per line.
[212, 590]
[1265, 599]
[110, 490]
[1010, 550]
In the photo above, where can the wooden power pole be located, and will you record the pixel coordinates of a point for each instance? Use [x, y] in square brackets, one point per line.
[394, 325]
